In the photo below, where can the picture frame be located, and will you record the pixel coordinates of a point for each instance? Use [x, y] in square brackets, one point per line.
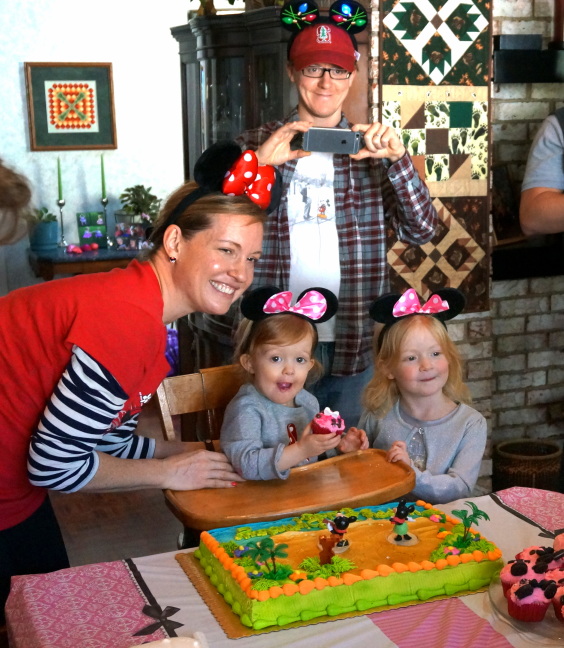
[70, 106]
[505, 206]
[91, 228]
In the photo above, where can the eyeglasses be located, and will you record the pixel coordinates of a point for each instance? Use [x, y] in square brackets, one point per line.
[316, 72]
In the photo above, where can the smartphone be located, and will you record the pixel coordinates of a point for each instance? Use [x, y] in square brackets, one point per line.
[332, 140]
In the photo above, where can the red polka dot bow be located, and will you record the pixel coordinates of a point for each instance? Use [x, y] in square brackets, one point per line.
[312, 305]
[246, 176]
[408, 304]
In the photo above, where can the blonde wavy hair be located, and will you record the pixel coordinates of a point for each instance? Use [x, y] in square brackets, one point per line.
[382, 392]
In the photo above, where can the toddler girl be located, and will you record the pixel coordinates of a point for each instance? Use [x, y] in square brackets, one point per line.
[266, 427]
[416, 406]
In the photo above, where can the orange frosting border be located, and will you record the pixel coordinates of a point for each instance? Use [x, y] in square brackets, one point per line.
[346, 578]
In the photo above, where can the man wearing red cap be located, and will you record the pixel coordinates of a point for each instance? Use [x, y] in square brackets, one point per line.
[330, 227]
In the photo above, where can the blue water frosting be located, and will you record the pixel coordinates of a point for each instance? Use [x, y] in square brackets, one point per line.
[225, 534]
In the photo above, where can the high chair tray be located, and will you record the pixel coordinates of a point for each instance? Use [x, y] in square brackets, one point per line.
[352, 480]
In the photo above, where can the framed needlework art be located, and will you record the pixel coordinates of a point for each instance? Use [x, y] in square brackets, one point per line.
[70, 106]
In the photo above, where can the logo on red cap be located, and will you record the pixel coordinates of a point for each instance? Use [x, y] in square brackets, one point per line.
[324, 34]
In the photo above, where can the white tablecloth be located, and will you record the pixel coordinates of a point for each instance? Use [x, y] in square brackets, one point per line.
[519, 517]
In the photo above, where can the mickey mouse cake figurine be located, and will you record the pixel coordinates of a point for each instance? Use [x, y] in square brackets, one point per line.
[400, 525]
[339, 526]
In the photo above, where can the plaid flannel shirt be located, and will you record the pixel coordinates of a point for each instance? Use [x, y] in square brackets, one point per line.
[370, 195]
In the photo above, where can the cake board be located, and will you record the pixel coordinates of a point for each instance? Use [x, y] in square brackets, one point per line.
[231, 624]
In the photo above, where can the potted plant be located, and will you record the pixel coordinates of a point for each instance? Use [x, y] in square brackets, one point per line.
[140, 204]
[43, 230]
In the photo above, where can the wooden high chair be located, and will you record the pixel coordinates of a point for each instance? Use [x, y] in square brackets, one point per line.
[355, 479]
[208, 391]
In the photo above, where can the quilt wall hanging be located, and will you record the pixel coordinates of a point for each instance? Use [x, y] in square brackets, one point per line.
[434, 83]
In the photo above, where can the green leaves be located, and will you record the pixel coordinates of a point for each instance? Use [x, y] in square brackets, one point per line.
[42, 215]
[139, 200]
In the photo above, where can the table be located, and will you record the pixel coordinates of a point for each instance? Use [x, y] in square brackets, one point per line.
[48, 264]
[101, 606]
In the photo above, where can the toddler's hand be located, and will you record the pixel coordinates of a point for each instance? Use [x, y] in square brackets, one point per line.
[313, 445]
[354, 439]
[398, 452]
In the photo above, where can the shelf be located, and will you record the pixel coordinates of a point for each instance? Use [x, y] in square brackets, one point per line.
[528, 66]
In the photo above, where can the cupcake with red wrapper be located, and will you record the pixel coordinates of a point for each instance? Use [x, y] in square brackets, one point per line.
[327, 422]
[528, 600]
[518, 570]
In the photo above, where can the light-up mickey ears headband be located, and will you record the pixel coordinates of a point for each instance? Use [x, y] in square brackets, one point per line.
[221, 163]
[317, 305]
[349, 16]
[443, 305]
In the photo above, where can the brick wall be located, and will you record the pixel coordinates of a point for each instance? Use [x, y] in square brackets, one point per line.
[527, 315]
[514, 354]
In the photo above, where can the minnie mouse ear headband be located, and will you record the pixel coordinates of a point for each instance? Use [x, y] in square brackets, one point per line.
[320, 39]
[317, 305]
[223, 168]
[443, 305]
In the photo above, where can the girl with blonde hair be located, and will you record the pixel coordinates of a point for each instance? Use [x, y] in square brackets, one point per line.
[417, 406]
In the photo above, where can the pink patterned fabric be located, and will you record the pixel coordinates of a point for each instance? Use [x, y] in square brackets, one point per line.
[541, 506]
[312, 305]
[440, 623]
[408, 304]
[96, 606]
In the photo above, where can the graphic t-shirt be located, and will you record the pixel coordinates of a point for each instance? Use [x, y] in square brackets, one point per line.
[314, 241]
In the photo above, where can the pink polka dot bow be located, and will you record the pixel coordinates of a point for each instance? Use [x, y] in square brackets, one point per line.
[249, 177]
[312, 305]
[408, 304]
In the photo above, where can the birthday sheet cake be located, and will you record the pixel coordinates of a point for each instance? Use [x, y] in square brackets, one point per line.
[354, 560]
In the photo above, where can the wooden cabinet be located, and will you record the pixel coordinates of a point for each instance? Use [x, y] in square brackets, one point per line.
[233, 76]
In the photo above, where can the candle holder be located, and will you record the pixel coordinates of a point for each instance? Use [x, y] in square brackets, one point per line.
[61, 204]
[109, 242]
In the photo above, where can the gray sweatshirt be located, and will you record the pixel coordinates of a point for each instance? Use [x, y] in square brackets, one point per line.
[255, 431]
[455, 446]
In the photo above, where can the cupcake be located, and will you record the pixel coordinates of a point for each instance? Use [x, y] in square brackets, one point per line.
[327, 422]
[515, 571]
[554, 559]
[528, 600]
[532, 552]
[558, 542]
[557, 602]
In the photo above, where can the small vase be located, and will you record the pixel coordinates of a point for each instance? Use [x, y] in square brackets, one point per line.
[44, 237]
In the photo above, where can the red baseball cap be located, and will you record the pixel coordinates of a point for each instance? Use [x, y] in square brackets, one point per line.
[323, 43]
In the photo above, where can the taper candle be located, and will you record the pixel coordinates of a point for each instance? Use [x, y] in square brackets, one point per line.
[60, 182]
[103, 176]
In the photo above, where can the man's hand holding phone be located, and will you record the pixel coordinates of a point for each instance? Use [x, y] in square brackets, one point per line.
[380, 141]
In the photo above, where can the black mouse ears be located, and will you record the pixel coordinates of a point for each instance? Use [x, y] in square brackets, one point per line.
[348, 15]
[317, 305]
[444, 304]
